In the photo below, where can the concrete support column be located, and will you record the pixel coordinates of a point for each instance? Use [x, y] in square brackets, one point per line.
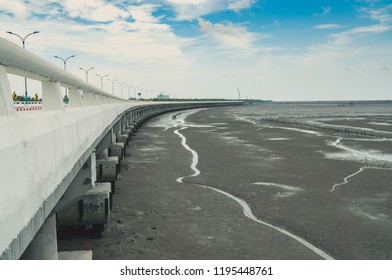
[83, 182]
[100, 99]
[109, 155]
[125, 130]
[44, 244]
[129, 118]
[86, 202]
[117, 150]
[88, 98]
[139, 113]
[133, 116]
[122, 123]
[75, 97]
[7, 107]
[121, 136]
[52, 98]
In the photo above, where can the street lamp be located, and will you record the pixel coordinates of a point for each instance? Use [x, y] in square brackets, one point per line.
[113, 81]
[129, 88]
[134, 90]
[64, 60]
[102, 79]
[65, 68]
[121, 88]
[24, 47]
[91, 68]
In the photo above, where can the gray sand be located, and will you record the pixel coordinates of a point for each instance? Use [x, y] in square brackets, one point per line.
[305, 188]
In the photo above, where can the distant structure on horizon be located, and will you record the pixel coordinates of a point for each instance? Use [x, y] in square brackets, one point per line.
[163, 96]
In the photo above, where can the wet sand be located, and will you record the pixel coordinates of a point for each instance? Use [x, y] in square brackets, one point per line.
[189, 176]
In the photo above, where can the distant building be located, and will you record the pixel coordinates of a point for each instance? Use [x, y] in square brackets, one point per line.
[163, 96]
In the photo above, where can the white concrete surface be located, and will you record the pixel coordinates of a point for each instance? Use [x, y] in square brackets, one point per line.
[38, 150]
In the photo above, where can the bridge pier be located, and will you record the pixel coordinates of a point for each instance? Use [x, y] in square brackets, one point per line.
[108, 169]
[86, 202]
[117, 150]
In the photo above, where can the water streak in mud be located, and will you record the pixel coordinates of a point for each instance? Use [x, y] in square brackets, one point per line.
[370, 156]
[245, 207]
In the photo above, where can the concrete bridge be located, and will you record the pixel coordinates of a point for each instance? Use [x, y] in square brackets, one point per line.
[59, 165]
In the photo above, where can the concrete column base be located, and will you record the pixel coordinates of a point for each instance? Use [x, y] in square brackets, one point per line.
[117, 150]
[108, 170]
[92, 208]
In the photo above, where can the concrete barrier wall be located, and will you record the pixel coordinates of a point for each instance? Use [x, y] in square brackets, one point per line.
[42, 151]
[37, 152]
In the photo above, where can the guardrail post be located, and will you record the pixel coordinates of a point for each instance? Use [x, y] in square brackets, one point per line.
[75, 97]
[7, 107]
[52, 98]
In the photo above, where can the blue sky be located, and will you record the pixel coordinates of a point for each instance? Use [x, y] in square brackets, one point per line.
[270, 49]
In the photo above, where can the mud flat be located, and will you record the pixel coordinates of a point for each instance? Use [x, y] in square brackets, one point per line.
[225, 183]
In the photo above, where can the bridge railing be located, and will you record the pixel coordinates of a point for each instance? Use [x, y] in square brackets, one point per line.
[17, 61]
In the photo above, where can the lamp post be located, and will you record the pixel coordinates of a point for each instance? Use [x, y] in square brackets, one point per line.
[102, 79]
[65, 68]
[113, 81]
[24, 47]
[134, 90]
[129, 93]
[139, 92]
[122, 84]
[64, 60]
[91, 68]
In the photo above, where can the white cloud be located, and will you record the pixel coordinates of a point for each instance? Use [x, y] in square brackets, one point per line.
[239, 5]
[124, 50]
[382, 15]
[143, 13]
[221, 29]
[383, 18]
[191, 9]
[147, 53]
[15, 7]
[228, 38]
[95, 10]
[377, 28]
[325, 11]
[328, 26]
